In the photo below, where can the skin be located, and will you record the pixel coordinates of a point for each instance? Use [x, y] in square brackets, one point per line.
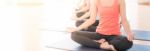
[93, 13]
[105, 44]
[83, 8]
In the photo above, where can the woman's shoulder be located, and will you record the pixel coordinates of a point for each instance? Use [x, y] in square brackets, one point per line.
[121, 1]
[94, 2]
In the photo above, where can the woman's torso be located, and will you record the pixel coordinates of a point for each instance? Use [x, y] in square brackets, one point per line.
[109, 18]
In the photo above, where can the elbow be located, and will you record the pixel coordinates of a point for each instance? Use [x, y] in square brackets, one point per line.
[124, 22]
[93, 21]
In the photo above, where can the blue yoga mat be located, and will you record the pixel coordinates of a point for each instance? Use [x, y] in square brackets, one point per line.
[69, 45]
[140, 35]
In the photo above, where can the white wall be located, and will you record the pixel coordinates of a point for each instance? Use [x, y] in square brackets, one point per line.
[57, 14]
[10, 28]
[144, 15]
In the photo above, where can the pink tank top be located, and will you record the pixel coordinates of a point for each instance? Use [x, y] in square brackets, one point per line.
[109, 19]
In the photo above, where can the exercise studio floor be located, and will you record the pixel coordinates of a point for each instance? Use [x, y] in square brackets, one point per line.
[58, 37]
[55, 39]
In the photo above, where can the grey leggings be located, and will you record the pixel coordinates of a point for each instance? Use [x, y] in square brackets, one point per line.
[91, 28]
[86, 38]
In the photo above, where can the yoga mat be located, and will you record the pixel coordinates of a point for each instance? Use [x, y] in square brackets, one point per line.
[140, 35]
[69, 45]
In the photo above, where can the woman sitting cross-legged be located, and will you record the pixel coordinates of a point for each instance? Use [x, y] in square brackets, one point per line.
[107, 35]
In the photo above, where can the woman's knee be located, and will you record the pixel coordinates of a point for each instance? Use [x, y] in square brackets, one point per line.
[121, 43]
[75, 35]
[125, 39]
[128, 44]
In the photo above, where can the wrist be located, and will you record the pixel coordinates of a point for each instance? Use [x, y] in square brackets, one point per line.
[78, 29]
[78, 19]
[130, 33]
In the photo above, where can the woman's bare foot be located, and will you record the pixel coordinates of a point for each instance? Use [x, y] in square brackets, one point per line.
[100, 41]
[107, 46]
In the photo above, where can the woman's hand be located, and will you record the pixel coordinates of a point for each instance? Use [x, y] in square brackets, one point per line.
[130, 36]
[75, 18]
[71, 29]
[106, 45]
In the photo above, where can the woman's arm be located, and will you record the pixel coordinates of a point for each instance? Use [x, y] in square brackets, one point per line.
[88, 22]
[87, 14]
[84, 7]
[124, 20]
[91, 20]
[82, 4]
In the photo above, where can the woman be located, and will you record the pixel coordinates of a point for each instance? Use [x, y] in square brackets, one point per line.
[84, 7]
[107, 35]
[82, 14]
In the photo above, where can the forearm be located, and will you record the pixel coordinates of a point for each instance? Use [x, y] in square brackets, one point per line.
[86, 24]
[124, 21]
[126, 26]
[92, 18]
[83, 9]
[82, 4]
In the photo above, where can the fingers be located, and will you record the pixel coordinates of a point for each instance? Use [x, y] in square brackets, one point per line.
[74, 18]
[130, 37]
[71, 29]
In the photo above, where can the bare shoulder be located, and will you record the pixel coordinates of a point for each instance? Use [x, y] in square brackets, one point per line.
[93, 1]
[121, 1]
